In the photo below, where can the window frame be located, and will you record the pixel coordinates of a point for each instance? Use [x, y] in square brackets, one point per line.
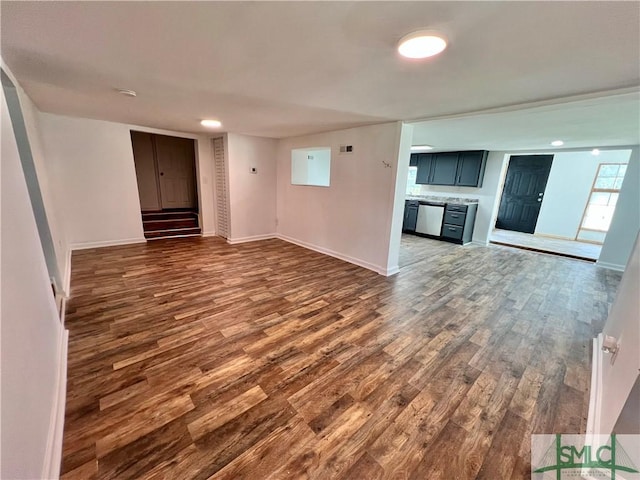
[593, 190]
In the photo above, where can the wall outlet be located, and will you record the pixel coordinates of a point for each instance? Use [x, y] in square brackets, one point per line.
[254, 170]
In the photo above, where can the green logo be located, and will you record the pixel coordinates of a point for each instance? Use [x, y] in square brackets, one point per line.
[572, 457]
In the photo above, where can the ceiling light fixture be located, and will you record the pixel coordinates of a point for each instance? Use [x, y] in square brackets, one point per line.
[211, 123]
[557, 143]
[595, 151]
[128, 93]
[421, 44]
[421, 148]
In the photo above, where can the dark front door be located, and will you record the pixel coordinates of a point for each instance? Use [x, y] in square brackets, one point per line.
[523, 192]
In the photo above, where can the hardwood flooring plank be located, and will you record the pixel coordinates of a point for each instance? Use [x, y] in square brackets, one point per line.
[366, 468]
[195, 359]
[146, 421]
[134, 460]
[231, 410]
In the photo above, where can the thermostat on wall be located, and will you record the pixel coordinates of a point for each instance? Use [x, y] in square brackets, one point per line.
[346, 148]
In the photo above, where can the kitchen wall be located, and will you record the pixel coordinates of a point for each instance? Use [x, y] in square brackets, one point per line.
[351, 219]
[32, 337]
[568, 190]
[625, 224]
[252, 196]
[488, 195]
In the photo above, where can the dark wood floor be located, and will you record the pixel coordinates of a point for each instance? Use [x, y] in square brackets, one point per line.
[194, 359]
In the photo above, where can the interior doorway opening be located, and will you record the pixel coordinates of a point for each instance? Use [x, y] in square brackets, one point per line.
[167, 186]
[568, 211]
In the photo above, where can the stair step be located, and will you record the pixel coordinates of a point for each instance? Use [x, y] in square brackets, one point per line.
[172, 232]
[148, 216]
[152, 225]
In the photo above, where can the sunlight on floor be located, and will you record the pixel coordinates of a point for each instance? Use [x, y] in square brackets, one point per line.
[572, 248]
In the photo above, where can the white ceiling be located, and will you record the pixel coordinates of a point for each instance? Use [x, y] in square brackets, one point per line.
[289, 68]
[603, 121]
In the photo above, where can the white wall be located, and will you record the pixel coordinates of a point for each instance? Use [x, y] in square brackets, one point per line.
[625, 224]
[623, 324]
[568, 190]
[403, 148]
[252, 196]
[32, 335]
[204, 172]
[92, 170]
[92, 175]
[351, 219]
[31, 120]
[29, 141]
[488, 195]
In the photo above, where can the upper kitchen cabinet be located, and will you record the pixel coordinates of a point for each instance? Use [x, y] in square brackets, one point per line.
[444, 167]
[424, 167]
[471, 167]
[463, 169]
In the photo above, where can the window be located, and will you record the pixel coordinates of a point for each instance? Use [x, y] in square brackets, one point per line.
[604, 196]
[412, 188]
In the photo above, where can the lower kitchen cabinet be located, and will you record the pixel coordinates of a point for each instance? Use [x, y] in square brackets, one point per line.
[410, 216]
[458, 222]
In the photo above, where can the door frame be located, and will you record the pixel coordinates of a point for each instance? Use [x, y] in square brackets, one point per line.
[196, 160]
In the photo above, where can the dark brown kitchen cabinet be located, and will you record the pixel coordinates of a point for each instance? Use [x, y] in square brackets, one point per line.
[463, 169]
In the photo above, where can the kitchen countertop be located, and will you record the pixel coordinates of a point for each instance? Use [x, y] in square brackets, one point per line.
[436, 199]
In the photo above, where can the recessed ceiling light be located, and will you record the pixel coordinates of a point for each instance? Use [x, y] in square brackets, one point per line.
[557, 143]
[595, 151]
[420, 148]
[211, 123]
[421, 44]
[128, 93]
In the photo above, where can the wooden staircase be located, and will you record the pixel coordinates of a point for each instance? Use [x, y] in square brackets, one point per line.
[175, 223]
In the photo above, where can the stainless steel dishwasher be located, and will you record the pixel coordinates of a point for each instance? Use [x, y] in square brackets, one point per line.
[430, 218]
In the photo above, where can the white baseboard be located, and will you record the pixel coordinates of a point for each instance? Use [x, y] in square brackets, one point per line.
[595, 391]
[550, 235]
[479, 243]
[107, 243]
[209, 234]
[53, 452]
[340, 256]
[391, 271]
[254, 238]
[610, 266]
